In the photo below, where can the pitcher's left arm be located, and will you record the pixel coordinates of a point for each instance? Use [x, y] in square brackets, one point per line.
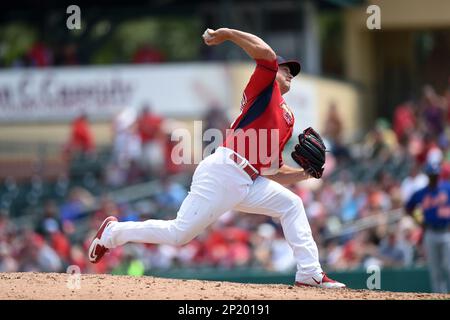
[287, 175]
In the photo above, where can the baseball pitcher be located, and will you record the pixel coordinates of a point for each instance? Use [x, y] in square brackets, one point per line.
[247, 172]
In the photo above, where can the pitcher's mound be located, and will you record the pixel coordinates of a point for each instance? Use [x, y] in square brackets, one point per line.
[107, 287]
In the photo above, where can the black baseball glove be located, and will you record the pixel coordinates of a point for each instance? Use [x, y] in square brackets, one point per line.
[309, 153]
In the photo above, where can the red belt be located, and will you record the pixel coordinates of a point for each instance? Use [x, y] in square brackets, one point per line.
[252, 172]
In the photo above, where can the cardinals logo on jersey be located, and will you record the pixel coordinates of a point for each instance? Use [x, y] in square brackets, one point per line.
[243, 101]
[287, 114]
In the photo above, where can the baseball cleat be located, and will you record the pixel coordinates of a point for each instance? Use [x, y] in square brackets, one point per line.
[96, 249]
[322, 281]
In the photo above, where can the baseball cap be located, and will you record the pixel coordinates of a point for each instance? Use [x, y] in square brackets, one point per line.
[432, 169]
[293, 65]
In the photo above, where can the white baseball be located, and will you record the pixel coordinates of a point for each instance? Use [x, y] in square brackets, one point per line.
[206, 34]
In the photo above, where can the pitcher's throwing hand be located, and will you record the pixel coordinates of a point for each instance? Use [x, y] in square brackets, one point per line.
[215, 37]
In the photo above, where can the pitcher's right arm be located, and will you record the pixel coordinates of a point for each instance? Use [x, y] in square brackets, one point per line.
[254, 46]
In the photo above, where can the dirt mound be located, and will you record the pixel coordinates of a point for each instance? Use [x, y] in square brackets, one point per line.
[94, 286]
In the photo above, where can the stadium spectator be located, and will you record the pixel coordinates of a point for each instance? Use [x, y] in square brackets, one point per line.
[50, 220]
[77, 202]
[40, 55]
[333, 124]
[81, 142]
[261, 242]
[148, 54]
[153, 140]
[67, 55]
[390, 253]
[430, 151]
[171, 195]
[282, 258]
[126, 139]
[127, 149]
[378, 143]
[447, 101]
[414, 181]
[215, 118]
[404, 121]
[37, 255]
[7, 261]
[409, 234]
[333, 134]
[433, 111]
[107, 206]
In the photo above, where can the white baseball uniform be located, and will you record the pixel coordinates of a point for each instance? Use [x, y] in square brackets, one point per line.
[219, 185]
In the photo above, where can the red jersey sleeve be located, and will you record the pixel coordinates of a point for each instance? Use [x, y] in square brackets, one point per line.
[264, 74]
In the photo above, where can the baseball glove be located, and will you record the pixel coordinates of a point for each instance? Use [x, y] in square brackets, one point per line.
[309, 153]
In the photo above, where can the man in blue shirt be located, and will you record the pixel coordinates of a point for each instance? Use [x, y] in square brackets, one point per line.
[434, 201]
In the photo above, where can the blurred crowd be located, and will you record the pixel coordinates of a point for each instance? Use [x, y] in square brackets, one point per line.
[364, 181]
[41, 54]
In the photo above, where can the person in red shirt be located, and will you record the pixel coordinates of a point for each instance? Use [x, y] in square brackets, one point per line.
[245, 174]
[404, 121]
[148, 54]
[153, 142]
[40, 55]
[81, 139]
[149, 125]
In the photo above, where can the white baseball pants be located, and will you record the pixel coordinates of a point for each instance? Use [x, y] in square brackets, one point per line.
[219, 185]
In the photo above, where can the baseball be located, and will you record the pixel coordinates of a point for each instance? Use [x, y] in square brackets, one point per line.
[206, 34]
